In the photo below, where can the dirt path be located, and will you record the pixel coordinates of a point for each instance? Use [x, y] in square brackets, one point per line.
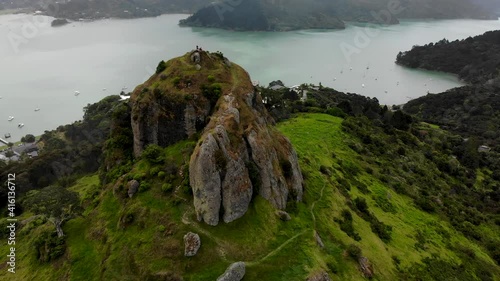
[314, 203]
[275, 251]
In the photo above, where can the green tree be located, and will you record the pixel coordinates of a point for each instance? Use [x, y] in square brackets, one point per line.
[55, 202]
[28, 138]
[161, 66]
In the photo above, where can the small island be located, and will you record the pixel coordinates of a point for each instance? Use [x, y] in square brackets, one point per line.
[269, 15]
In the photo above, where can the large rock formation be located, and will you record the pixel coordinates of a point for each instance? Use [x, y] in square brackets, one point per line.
[240, 153]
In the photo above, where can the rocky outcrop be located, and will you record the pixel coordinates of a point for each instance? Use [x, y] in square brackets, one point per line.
[234, 272]
[132, 188]
[284, 216]
[366, 267]
[241, 154]
[192, 244]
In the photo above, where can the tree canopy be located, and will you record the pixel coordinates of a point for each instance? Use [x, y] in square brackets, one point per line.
[57, 203]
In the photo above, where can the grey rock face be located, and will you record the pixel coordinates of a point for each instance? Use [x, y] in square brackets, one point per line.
[236, 186]
[206, 182]
[192, 244]
[296, 178]
[273, 186]
[234, 272]
[217, 188]
[219, 167]
[132, 187]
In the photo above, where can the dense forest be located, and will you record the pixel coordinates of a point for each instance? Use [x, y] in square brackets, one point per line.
[472, 110]
[475, 59]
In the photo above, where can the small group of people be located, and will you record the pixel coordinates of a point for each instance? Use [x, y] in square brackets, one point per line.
[199, 49]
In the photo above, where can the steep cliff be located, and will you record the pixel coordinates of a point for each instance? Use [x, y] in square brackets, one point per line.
[240, 154]
[170, 106]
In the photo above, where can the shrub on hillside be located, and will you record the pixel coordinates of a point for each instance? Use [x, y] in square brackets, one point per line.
[354, 252]
[48, 246]
[153, 154]
[161, 67]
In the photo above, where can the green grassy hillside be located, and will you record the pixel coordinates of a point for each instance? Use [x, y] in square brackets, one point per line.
[121, 238]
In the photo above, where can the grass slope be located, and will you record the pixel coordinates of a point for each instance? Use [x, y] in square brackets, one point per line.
[121, 238]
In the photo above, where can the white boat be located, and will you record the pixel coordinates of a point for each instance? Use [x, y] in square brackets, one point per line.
[37, 109]
[20, 125]
[11, 118]
[77, 93]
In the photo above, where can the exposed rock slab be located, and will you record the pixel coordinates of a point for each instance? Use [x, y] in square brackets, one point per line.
[192, 243]
[366, 267]
[206, 182]
[132, 187]
[284, 216]
[234, 272]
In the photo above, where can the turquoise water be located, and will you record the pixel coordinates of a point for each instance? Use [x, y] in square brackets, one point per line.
[100, 58]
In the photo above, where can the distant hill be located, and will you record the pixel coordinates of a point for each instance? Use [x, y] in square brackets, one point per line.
[317, 14]
[76, 9]
[266, 15]
[475, 60]
[491, 5]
